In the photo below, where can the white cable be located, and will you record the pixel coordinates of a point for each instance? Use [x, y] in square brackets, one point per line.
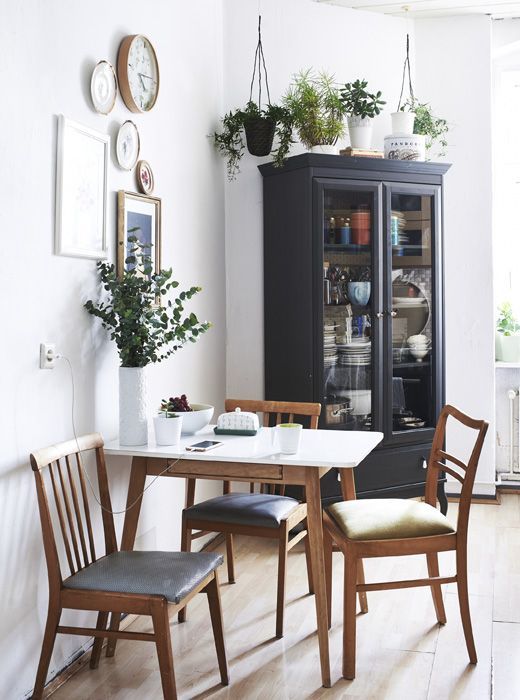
[108, 510]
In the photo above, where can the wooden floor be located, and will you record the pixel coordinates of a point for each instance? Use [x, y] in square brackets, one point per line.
[402, 652]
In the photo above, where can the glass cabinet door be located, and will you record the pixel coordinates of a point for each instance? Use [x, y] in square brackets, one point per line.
[413, 328]
[348, 227]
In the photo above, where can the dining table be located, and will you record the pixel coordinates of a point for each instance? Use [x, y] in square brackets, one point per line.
[257, 459]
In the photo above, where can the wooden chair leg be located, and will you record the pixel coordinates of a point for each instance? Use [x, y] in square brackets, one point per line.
[308, 562]
[98, 642]
[230, 558]
[282, 568]
[115, 620]
[161, 628]
[462, 587]
[215, 611]
[349, 617]
[185, 547]
[362, 595]
[432, 560]
[327, 551]
[49, 637]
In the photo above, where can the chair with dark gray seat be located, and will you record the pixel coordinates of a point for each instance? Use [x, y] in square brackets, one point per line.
[262, 514]
[143, 583]
[395, 527]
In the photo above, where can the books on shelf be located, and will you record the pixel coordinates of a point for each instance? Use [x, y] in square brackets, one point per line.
[361, 153]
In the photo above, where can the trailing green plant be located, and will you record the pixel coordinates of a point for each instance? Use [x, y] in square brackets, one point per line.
[358, 102]
[506, 322]
[230, 143]
[314, 103]
[144, 331]
[427, 124]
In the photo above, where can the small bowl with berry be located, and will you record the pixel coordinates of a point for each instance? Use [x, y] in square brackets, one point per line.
[195, 416]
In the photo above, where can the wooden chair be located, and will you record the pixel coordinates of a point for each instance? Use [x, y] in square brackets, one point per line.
[133, 582]
[396, 527]
[261, 514]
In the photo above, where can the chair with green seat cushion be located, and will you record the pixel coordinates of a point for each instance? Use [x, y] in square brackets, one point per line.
[259, 514]
[397, 527]
[141, 583]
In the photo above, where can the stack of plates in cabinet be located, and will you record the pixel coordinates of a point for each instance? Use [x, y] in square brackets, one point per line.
[330, 353]
[355, 354]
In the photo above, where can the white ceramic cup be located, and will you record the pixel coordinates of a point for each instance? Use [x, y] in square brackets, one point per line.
[289, 436]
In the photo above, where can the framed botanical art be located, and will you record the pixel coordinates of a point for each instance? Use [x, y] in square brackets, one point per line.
[81, 190]
[138, 215]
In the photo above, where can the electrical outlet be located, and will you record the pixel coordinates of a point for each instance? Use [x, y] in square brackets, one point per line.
[47, 355]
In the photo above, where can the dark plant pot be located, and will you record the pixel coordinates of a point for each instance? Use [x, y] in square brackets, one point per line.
[259, 135]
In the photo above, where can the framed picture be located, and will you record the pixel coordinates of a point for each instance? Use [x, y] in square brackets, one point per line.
[138, 215]
[81, 191]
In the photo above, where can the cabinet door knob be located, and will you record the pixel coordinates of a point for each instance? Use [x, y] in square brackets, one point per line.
[380, 314]
[393, 313]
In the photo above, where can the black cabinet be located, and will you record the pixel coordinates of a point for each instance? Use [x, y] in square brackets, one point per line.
[353, 304]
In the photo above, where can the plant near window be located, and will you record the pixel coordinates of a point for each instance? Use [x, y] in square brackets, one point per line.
[506, 323]
[261, 127]
[317, 111]
[358, 102]
[143, 330]
[507, 337]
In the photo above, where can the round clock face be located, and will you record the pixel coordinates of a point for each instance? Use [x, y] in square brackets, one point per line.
[127, 145]
[103, 87]
[138, 72]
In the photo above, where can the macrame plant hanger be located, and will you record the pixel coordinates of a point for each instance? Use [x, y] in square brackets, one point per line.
[405, 68]
[260, 127]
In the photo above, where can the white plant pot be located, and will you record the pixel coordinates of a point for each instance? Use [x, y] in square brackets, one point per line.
[133, 426]
[325, 148]
[167, 430]
[360, 132]
[402, 123]
[507, 348]
[411, 147]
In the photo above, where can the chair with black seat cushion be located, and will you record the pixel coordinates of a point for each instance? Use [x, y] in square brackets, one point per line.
[262, 514]
[397, 527]
[144, 583]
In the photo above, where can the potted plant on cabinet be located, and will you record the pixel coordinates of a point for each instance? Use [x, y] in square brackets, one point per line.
[144, 330]
[507, 339]
[317, 112]
[361, 107]
[260, 127]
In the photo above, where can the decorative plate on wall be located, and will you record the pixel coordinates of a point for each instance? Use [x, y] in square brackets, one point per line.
[144, 175]
[127, 145]
[103, 87]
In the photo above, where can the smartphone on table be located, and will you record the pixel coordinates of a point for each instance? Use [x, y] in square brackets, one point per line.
[204, 446]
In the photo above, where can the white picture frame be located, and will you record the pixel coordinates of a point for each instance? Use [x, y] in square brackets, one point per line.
[81, 191]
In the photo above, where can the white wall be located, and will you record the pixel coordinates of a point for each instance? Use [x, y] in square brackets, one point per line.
[48, 51]
[297, 34]
[453, 68]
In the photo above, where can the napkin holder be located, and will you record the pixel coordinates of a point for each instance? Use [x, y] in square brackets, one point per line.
[237, 422]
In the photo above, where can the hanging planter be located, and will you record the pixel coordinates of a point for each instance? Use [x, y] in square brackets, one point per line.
[261, 125]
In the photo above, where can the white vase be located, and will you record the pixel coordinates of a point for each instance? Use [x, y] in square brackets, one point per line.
[133, 426]
[360, 132]
[167, 429]
[325, 148]
[402, 123]
[507, 347]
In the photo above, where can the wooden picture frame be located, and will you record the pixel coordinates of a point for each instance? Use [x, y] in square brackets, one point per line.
[138, 210]
[81, 191]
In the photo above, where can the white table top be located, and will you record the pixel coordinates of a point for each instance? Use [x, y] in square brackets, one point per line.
[318, 448]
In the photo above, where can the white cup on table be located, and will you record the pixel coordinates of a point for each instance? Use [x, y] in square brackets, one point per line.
[288, 436]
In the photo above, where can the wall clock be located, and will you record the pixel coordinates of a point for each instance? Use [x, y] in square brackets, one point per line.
[103, 87]
[127, 145]
[138, 73]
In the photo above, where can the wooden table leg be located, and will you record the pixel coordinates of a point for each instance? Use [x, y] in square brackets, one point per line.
[133, 502]
[348, 491]
[315, 534]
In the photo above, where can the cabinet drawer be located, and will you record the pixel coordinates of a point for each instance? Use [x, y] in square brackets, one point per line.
[383, 469]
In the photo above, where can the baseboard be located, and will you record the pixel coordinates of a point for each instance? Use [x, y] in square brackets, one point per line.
[486, 500]
[481, 489]
[84, 657]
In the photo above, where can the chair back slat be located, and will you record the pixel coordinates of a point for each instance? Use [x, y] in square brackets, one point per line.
[72, 511]
[61, 519]
[70, 521]
[86, 507]
[77, 512]
[439, 458]
[291, 418]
